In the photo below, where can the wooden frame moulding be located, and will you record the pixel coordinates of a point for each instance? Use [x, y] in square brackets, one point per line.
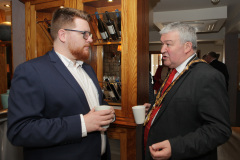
[30, 27]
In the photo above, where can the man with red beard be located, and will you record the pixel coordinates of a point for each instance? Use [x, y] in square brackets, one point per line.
[52, 98]
[190, 117]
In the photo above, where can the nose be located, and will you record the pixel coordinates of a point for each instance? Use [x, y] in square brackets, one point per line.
[163, 49]
[90, 39]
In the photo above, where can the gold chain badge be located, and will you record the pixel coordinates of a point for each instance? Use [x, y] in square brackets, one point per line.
[160, 98]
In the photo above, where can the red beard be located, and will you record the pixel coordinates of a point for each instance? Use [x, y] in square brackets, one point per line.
[79, 53]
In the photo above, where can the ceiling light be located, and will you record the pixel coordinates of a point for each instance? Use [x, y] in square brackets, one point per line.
[110, 0]
[215, 1]
[209, 27]
[212, 27]
[7, 5]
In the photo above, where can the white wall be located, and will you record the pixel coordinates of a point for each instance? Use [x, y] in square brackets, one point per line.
[18, 33]
[208, 47]
[204, 47]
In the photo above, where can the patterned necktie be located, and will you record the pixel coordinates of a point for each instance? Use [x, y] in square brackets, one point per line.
[156, 109]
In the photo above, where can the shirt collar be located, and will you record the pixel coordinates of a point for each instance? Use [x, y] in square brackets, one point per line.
[79, 63]
[68, 63]
[182, 66]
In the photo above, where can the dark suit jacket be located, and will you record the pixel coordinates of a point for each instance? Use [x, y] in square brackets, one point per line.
[222, 68]
[44, 106]
[194, 116]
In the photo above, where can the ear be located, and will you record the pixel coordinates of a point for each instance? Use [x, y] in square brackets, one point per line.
[62, 35]
[188, 47]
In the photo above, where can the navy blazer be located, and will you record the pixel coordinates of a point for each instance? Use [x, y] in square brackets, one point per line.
[194, 115]
[44, 106]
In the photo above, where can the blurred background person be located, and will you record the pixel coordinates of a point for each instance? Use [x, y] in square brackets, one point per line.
[212, 59]
[204, 57]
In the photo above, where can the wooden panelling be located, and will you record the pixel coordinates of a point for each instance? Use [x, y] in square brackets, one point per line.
[2, 16]
[127, 143]
[101, 3]
[143, 52]
[33, 2]
[44, 42]
[109, 9]
[70, 3]
[129, 56]
[45, 6]
[42, 15]
[79, 4]
[74, 4]
[33, 36]
[100, 64]
[28, 30]
[3, 71]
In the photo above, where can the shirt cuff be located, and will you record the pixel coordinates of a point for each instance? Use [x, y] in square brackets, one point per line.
[84, 129]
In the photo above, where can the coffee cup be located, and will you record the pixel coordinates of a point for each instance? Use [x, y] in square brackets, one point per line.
[103, 107]
[139, 114]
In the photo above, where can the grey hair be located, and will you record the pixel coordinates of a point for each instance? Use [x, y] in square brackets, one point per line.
[187, 33]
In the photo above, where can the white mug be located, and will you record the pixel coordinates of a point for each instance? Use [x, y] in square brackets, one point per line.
[139, 114]
[103, 107]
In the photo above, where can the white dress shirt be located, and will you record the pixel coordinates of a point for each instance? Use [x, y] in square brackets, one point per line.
[88, 88]
[182, 66]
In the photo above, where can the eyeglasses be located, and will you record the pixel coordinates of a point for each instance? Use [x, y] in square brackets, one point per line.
[86, 34]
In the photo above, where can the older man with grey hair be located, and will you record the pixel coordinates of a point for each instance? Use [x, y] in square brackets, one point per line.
[190, 117]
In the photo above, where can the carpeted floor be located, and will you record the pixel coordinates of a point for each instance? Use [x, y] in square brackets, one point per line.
[231, 149]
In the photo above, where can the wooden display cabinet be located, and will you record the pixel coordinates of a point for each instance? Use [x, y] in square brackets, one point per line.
[134, 56]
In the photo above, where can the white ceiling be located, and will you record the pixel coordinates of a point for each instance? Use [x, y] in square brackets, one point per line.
[204, 19]
[200, 13]
[173, 5]
[167, 6]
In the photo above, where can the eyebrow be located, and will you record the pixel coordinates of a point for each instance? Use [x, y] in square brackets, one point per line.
[166, 41]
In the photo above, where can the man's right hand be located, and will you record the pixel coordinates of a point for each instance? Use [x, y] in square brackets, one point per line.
[95, 120]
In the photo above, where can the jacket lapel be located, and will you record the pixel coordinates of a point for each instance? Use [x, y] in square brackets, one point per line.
[62, 69]
[173, 90]
[170, 95]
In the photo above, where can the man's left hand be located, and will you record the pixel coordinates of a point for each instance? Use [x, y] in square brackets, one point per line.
[161, 150]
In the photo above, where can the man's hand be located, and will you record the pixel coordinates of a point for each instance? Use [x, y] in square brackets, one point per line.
[161, 150]
[147, 106]
[95, 120]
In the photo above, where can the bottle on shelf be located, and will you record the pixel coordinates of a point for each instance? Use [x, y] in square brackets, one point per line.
[111, 26]
[102, 29]
[118, 22]
[112, 91]
[118, 82]
[48, 24]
